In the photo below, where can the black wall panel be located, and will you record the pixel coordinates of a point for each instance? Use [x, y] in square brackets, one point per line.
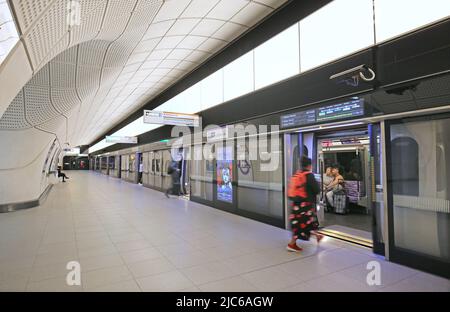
[419, 54]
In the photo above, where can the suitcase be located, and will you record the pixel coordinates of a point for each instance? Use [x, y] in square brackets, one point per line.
[340, 203]
[321, 211]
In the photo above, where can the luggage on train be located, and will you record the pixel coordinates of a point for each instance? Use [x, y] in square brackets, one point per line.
[340, 203]
[321, 206]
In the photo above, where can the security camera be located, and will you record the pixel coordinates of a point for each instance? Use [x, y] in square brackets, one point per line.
[352, 76]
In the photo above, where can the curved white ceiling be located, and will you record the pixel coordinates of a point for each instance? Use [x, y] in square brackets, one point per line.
[86, 78]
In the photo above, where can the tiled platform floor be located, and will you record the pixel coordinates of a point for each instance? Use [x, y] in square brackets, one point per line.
[130, 238]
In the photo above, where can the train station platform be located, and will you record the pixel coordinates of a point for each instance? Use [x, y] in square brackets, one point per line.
[130, 238]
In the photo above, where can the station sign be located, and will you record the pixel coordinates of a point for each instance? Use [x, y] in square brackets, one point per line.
[71, 151]
[121, 139]
[169, 118]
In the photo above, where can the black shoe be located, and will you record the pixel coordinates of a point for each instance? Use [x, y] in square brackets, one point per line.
[167, 194]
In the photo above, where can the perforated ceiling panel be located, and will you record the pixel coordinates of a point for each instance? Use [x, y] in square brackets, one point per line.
[28, 11]
[121, 55]
[14, 117]
[47, 32]
[38, 108]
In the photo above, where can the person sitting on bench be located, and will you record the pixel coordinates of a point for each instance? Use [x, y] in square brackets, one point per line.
[336, 186]
[62, 174]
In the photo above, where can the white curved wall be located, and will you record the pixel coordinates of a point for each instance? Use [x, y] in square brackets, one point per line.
[74, 82]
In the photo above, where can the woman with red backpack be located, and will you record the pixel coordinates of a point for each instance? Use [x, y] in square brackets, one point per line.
[302, 191]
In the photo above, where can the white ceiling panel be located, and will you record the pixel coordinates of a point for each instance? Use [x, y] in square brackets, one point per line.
[212, 45]
[251, 14]
[207, 27]
[158, 55]
[38, 108]
[198, 56]
[226, 9]
[158, 30]
[171, 9]
[169, 42]
[149, 64]
[92, 12]
[199, 8]
[179, 54]
[14, 117]
[137, 57]
[28, 11]
[147, 45]
[229, 30]
[191, 42]
[62, 75]
[186, 65]
[271, 3]
[169, 63]
[183, 27]
[64, 99]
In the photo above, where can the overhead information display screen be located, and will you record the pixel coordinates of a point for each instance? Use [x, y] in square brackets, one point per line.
[341, 111]
[300, 118]
[349, 109]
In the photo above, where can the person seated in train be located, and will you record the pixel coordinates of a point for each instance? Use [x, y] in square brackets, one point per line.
[327, 178]
[62, 174]
[336, 185]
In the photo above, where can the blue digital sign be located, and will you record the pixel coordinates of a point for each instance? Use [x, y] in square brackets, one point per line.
[345, 110]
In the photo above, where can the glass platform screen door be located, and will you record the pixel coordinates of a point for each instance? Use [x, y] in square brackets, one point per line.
[225, 178]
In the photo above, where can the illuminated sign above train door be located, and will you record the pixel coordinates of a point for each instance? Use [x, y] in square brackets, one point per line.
[173, 119]
[121, 139]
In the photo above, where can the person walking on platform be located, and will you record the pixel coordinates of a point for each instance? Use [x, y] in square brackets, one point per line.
[302, 191]
[174, 172]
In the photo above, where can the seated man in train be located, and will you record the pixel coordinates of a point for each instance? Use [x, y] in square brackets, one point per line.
[336, 185]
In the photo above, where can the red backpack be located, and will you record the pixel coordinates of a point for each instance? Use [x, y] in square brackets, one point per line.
[297, 185]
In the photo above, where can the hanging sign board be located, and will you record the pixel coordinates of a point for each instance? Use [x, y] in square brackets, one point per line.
[121, 139]
[71, 151]
[173, 119]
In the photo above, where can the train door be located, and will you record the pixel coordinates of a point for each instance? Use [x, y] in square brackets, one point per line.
[118, 166]
[166, 178]
[351, 152]
[151, 169]
[185, 173]
[124, 166]
[140, 168]
[145, 169]
[133, 168]
[158, 169]
[346, 154]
